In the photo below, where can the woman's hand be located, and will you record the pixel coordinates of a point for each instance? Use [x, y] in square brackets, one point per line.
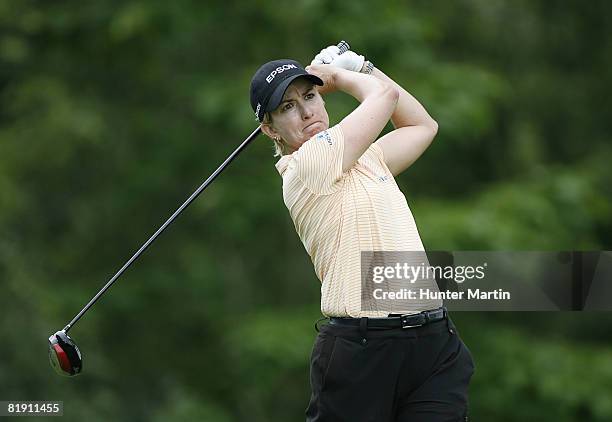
[348, 60]
[328, 74]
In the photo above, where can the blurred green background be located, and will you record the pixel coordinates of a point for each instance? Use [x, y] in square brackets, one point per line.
[112, 113]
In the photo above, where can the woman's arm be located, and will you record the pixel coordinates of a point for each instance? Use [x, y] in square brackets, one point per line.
[362, 126]
[415, 129]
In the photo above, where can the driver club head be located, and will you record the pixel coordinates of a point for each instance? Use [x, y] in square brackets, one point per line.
[64, 355]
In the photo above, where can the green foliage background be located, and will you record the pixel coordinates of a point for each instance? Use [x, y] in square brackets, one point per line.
[113, 112]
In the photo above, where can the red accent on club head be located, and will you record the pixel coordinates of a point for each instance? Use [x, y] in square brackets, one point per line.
[62, 358]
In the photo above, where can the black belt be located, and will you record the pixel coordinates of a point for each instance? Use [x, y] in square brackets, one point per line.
[401, 321]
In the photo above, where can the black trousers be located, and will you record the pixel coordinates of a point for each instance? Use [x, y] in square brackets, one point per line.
[416, 374]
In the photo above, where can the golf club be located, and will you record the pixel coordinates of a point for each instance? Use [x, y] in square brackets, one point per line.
[64, 355]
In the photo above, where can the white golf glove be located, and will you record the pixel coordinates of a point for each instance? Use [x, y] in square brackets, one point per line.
[348, 60]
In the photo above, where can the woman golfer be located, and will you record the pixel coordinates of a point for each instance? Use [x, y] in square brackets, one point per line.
[374, 363]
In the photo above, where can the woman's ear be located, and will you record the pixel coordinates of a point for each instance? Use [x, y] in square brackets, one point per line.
[269, 131]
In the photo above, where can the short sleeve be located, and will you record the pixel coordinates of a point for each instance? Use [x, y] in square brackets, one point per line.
[318, 163]
[375, 152]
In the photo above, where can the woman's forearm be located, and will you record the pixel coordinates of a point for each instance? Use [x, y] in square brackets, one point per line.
[359, 85]
[408, 112]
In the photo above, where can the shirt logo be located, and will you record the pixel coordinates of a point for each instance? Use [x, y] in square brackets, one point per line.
[325, 136]
[278, 70]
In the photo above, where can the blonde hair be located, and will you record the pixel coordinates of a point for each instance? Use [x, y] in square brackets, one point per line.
[279, 144]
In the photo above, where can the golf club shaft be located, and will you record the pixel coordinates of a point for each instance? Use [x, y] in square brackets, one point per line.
[176, 213]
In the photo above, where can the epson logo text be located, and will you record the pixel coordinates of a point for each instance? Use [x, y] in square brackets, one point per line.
[278, 70]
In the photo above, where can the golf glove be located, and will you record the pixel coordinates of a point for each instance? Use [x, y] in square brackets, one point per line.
[349, 60]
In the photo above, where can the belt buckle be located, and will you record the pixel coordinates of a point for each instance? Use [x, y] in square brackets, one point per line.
[403, 320]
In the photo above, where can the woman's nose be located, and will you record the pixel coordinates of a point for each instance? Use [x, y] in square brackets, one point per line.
[307, 112]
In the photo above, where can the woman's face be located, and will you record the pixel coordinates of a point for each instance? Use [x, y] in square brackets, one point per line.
[300, 115]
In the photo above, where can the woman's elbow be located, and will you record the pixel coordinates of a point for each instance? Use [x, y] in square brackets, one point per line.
[392, 93]
[387, 91]
[434, 128]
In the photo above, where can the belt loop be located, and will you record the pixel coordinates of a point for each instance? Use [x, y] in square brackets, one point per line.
[450, 330]
[363, 329]
[316, 324]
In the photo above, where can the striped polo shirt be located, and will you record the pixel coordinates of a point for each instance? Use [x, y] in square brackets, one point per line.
[338, 215]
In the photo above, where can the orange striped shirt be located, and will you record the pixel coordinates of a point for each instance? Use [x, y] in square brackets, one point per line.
[338, 215]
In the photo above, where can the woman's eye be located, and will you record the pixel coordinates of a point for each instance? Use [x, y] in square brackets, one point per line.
[287, 106]
[310, 96]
